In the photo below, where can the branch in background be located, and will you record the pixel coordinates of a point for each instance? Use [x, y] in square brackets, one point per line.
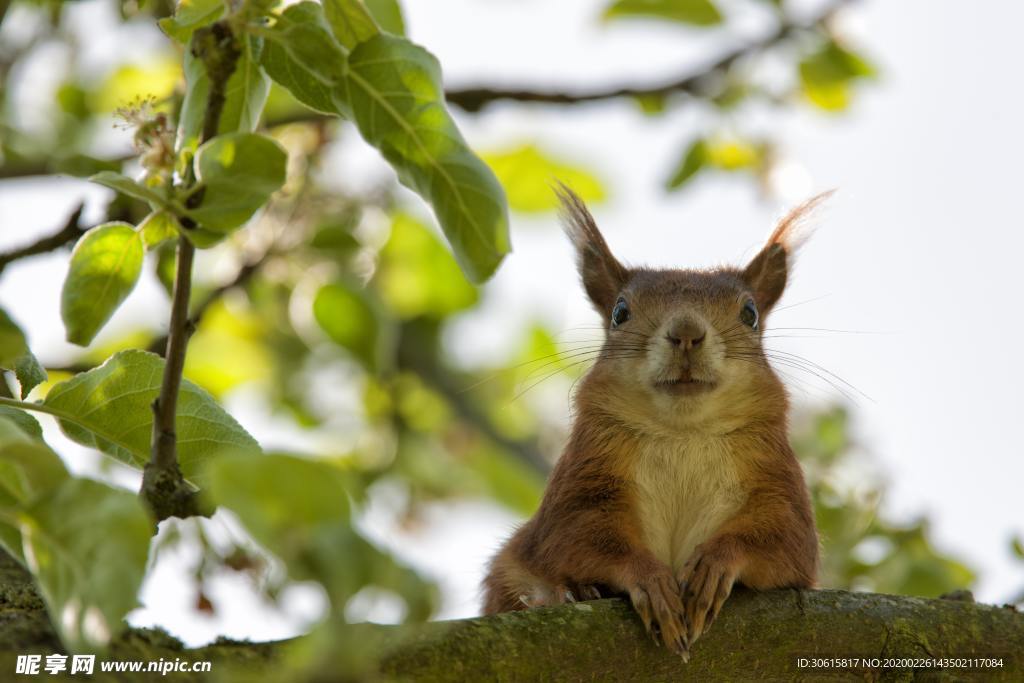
[468, 410]
[68, 233]
[475, 99]
[163, 485]
[425, 361]
[694, 83]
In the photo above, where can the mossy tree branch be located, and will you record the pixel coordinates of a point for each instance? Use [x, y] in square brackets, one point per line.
[756, 637]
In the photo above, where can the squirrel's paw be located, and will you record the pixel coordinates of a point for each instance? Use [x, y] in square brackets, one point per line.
[705, 581]
[657, 601]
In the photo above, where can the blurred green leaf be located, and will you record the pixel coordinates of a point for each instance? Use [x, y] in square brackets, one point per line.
[166, 265]
[28, 468]
[729, 153]
[84, 166]
[158, 227]
[127, 186]
[335, 237]
[244, 95]
[693, 12]
[527, 174]
[733, 153]
[692, 162]
[297, 508]
[190, 15]
[388, 14]
[349, 317]
[29, 372]
[351, 21]
[228, 350]
[828, 73]
[131, 83]
[109, 408]
[22, 421]
[12, 341]
[238, 173]
[417, 276]
[105, 266]
[88, 564]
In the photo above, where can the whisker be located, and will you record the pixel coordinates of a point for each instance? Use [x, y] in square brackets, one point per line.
[556, 372]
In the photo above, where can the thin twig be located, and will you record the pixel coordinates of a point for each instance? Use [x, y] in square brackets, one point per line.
[69, 232]
[163, 484]
[694, 82]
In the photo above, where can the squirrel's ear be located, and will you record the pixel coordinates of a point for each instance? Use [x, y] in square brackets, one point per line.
[767, 273]
[602, 274]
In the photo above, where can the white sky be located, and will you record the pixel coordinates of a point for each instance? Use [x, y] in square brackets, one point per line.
[920, 247]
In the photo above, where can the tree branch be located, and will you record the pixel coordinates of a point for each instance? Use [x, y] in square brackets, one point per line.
[69, 232]
[476, 98]
[758, 636]
[163, 485]
[694, 83]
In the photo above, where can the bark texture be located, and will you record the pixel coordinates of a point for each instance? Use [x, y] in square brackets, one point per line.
[756, 637]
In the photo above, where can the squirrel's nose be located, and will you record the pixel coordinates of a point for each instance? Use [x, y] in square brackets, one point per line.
[687, 334]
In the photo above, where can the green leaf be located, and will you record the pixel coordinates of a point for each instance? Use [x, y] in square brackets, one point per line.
[417, 275]
[693, 12]
[285, 502]
[734, 153]
[87, 544]
[238, 172]
[28, 468]
[22, 420]
[350, 21]
[827, 75]
[348, 316]
[721, 153]
[108, 408]
[303, 56]
[166, 266]
[105, 266]
[693, 160]
[298, 509]
[394, 89]
[158, 227]
[129, 187]
[244, 95]
[12, 341]
[1017, 545]
[189, 16]
[29, 372]
[527, 173]
[388, 14]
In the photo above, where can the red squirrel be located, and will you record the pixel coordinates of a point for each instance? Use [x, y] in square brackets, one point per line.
[678, 479]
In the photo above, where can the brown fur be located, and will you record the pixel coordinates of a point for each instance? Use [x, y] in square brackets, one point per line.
[676, 443]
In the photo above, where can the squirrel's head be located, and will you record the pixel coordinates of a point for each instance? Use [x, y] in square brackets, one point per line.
[683, 346]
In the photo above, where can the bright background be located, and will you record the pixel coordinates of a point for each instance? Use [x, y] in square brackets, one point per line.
[916, 258]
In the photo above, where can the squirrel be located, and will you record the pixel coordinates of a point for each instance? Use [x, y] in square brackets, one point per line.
[678, 480]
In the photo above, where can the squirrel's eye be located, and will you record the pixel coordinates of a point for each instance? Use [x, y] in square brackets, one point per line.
[748, 314]
[620, 313]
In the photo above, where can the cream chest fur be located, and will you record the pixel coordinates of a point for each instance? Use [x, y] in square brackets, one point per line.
[687, 487]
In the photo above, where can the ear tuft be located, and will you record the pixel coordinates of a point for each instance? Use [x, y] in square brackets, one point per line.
[602, 274]
[794, 228]
[768, 272]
